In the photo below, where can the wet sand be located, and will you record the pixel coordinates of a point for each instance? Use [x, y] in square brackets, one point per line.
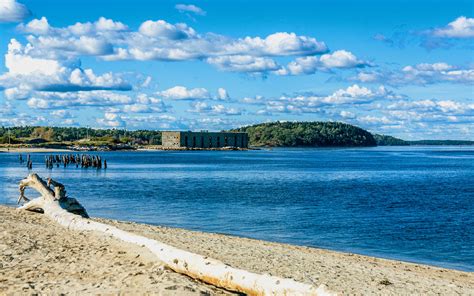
[38, 256]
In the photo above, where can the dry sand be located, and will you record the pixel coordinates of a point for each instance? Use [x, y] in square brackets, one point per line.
[38, 256]
[41, 257]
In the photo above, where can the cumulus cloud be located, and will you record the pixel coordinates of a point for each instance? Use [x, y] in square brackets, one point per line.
[111, 120]
[146, 104]
[430, 73]
[347, 114]
[23, 119]
[199, 93]
[435, 117]
[455, 33]
[462, 27]
[340, 59]
[116, 119]
[256, 100]
[354, 95]
[12, 12]
[244, 63]
[219, 109]
[28, 73]
[162, 29]
[63, 114]
[422, 74]
[183, 93]
[190, 8]
[222, 94]
[147, 81]
[159, 40]
[435, 106]
[62, 100]
[276, 44]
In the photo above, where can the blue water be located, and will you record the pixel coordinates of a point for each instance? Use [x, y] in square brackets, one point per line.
[408, 203]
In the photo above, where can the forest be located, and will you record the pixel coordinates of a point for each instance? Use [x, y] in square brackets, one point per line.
[307, 134]
[273, 134]
[84, 136]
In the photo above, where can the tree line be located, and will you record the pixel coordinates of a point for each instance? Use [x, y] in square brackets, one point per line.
[307, 134]
[274, 134]
[41, 134]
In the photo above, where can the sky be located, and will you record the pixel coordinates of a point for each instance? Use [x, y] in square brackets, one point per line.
[401, 68]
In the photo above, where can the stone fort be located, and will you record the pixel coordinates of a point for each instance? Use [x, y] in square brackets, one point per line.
[203, 139]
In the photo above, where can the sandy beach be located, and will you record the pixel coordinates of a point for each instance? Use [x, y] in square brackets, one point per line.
[38, 256]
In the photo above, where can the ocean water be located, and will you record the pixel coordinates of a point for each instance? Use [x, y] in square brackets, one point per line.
[408, 203]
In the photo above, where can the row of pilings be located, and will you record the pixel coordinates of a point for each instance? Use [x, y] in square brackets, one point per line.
[66, 160]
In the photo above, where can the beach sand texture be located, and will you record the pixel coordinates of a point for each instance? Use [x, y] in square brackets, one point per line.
[38, 256]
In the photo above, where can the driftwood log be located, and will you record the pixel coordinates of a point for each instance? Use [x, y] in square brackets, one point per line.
[69, 213]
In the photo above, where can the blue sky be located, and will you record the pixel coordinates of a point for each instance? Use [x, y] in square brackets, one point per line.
[403, 68]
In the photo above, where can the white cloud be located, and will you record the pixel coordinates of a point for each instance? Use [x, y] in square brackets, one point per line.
[63, 114]
[256, 100]
[183, 93]
[147, 81]
[111, 120]
[160, 40]
[21, 92]
[190, 8]
[146, 104]
[162, 29]
[347, 114]
[222, 94]
[63, 100]
[104, 24]
[18, 62]
[419, 74]
[340, 59]
[12, 11]
[276, 44]
[354, 95]
[430, 73]
[27, 73]
[219, 109]
[244, 63]
[370, 119]
[141, 121]
[436, 106]
[138, 108]
[23, 119]
[462, 27]
[36, 26]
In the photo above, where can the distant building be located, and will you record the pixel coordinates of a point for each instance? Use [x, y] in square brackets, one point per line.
[203, 139]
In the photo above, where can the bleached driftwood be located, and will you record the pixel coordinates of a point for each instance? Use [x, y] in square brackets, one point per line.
[69, 213]
[56, 196]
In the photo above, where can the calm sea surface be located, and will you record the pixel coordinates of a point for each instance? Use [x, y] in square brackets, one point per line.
[409, 203]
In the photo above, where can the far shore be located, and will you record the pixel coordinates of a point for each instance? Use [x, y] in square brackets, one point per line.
[160, 148]
[38, 256]
[33, 149]
[143, 148]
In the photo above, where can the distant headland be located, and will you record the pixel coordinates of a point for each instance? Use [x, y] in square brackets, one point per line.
[273, 134]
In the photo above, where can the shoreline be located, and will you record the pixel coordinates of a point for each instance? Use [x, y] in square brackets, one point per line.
[345, 273]
[257, 148]
[33, 150]
[146, 149]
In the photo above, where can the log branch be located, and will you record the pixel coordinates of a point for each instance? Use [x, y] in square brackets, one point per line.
[57, 196]
[70, 214]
